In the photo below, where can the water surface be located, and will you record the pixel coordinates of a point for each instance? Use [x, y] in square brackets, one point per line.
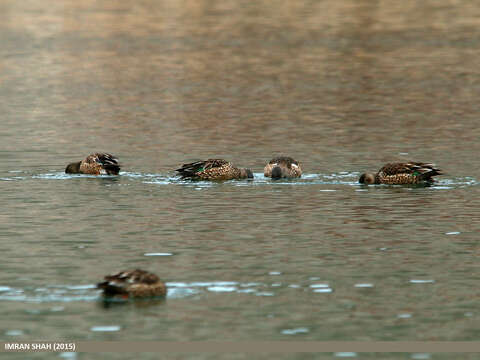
[342, 86]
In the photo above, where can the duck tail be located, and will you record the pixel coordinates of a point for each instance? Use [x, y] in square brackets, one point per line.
[109, 163]
[188, 171]
[428, 171]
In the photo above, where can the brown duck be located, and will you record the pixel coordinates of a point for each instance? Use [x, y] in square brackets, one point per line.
[133, 284]
[213, 169]
[95, 164]
[402, 174]
[282, 167]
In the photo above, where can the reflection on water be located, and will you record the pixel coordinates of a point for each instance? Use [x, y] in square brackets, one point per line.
[342, 86]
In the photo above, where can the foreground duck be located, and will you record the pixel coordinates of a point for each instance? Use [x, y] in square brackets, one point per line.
[133, 284]
[402, 174]
[213, 169]
[282, 167]
[95, 164]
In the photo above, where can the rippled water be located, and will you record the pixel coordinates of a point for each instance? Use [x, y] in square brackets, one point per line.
[342, 86]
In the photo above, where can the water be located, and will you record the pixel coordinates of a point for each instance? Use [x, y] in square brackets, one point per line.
[342, 86]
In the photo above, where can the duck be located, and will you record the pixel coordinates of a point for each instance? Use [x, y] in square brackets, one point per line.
[282, 167]
[132, 284]
[213, 169]
[95, 164]
[402, 173]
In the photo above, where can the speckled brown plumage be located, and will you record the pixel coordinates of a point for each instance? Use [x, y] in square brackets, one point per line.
[402, 174]
[282, 167]
[133, 283]
[213, 169]
[95, 164]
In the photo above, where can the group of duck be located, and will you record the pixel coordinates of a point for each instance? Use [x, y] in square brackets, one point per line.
[400, 173]
[142, 284]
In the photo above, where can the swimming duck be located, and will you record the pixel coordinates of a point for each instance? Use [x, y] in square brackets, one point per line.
[282, 167]
[95, 164]
[402, 174]
[133, 283]
[213, 169]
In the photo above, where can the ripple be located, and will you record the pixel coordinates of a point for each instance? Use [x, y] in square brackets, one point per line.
[180, 292]
[59, 176]
[14, 332]
[419, 281]
[158, 182]
[12, 178]
[326, 290]
[68, 355]
[64, 176]
[421, 356]
[300, 330]
[81, 287]
[107, 328]
[315, 286]
[221, 288]
[345, 354]
[364, 285]
[246, 291]
[214, 283]
[157, 254]
[340, 178]
[52, 293]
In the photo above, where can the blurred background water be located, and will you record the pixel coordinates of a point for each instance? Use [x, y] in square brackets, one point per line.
[342, 86]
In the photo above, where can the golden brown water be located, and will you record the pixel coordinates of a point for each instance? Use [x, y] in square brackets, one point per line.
[342, 86]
